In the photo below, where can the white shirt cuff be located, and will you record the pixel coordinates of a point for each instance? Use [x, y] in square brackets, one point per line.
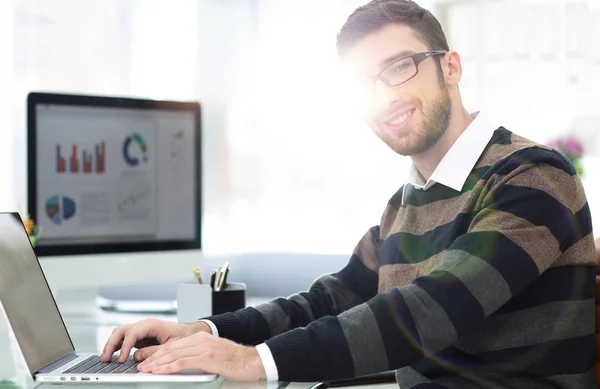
[212, 326]
[268, 362]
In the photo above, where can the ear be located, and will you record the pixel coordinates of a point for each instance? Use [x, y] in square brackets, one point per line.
[452, 68]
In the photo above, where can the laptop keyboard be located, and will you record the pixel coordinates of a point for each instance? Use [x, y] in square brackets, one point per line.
[93, 365]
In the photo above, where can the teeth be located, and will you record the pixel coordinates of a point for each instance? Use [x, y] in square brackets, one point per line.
[400, 120]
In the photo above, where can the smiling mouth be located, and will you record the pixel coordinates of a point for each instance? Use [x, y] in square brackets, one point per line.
[399, 120]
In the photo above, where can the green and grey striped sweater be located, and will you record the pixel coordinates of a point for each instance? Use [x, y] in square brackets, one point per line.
[492, 286]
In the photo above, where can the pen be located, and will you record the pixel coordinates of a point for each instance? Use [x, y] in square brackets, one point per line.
[372, 379]
[222, 275]
[213, 276]
[224, 278]
[198, 275]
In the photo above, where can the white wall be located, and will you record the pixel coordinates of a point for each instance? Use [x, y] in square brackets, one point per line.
[288, 164]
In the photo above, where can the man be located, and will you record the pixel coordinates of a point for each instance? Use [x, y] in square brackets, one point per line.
[480, 274]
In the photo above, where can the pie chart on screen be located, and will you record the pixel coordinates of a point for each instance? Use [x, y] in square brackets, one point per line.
[60, 208]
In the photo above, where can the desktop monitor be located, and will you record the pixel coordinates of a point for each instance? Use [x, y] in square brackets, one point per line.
[114, 186]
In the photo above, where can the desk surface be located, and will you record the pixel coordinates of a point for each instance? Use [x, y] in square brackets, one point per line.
[219, 384]
[90, 327]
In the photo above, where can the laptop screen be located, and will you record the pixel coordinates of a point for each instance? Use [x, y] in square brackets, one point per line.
[27, 300]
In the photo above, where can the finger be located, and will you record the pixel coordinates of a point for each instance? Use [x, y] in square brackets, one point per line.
[107, 353]
[131, 338]
[174, 355]
[113, 343]
[145, 352]
[170, 351]
[186, 363]
[146, 343]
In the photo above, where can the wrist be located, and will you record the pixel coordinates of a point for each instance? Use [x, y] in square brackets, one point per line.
[198, 326]
[255, 363]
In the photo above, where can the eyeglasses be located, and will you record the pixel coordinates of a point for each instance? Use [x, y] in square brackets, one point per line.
[401, 70]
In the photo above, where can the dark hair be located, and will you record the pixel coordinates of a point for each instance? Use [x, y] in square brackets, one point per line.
[379, 13]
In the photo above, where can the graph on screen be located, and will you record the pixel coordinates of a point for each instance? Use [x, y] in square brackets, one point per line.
[135, 201]
[88, 162]
[135, 150]
[59, 208]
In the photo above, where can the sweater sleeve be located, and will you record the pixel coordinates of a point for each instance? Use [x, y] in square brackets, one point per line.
[329, 295]
[516, 233]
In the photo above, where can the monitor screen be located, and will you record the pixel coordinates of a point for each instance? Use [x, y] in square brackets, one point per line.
[112, 174]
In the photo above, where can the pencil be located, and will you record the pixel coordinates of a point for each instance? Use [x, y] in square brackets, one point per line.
[198, 275]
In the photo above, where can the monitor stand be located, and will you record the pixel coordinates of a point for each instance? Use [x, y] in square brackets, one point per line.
[139, 298]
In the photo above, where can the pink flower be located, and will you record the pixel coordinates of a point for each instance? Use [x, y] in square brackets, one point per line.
[572, 147]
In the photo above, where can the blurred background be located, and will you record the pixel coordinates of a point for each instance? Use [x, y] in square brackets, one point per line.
[288, 163]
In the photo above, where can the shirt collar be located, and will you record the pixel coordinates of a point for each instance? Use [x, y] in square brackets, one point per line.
[455, 167]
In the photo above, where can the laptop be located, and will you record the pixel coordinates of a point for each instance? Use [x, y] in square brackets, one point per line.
[44, 342]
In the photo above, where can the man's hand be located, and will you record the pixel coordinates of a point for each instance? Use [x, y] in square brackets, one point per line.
[146, 336]
[202, 351]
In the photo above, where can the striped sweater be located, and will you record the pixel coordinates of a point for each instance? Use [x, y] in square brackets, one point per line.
[492, 286]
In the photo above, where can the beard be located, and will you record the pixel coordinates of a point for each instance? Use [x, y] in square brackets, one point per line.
[434, 125]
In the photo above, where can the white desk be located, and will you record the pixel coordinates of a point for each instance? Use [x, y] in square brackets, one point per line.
[90, 327]
[219, 384]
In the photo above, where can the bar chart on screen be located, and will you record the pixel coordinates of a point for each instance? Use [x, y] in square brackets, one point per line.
[81, 160]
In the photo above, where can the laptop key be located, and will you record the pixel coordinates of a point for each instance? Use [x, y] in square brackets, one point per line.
[124, 367]
[96, 368]
[121, 369]
[110, 368]
[89, 365]
[132, 370]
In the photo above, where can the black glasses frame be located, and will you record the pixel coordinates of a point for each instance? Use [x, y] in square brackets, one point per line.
[417, 59]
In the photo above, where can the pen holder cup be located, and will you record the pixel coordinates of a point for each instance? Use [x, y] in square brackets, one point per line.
[230, 298]
[194, 302]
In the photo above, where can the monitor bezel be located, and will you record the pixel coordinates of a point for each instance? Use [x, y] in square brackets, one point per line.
[43, 98]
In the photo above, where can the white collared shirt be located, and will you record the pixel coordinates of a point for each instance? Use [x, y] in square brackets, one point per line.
[455, 167]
